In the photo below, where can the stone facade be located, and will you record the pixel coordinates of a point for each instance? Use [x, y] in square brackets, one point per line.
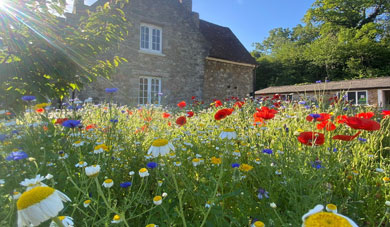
[226, 80]
[181, 66]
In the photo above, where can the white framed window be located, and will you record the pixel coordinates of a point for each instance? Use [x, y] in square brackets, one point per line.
[357, 97]
[149, 90]
[150, 38]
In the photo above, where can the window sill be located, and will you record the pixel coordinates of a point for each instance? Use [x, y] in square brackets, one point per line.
[151, 53]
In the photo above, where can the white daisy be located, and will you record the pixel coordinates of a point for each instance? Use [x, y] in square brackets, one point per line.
[108, 183]
[92, 171]
[143, 172]
[65, 221]
[160, 147]
[33, 182]
[39, 204]
[157, 200]
[81, 164]
[318, 217]
[86, 203]
[116, 219]
[228, 133]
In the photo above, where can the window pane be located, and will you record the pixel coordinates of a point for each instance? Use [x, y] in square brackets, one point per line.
[156, 39]
[352, 97]
[362, 97]
[144, 37]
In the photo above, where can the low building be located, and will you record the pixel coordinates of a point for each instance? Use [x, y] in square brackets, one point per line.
[375, 91]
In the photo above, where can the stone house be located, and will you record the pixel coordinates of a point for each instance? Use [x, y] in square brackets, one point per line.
[374, 91]
[173, 55]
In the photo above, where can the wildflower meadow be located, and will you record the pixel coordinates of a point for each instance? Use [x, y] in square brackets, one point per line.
[249, 162]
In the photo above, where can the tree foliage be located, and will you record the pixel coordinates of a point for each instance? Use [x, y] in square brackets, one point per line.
[41, 53]
[340, 40]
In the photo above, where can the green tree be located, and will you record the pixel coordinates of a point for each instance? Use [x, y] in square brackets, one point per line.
[43, 54]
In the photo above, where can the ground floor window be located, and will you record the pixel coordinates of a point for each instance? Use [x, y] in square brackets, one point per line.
[286, 97]
[149, 90]
[357, 97]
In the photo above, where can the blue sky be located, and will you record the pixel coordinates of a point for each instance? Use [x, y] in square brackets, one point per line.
[250, 20]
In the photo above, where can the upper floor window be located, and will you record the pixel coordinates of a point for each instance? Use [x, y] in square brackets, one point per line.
[151, 38]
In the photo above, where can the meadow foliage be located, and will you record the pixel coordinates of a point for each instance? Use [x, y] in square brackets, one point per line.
[250, 162]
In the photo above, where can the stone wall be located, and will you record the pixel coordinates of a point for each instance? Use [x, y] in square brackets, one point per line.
[223, 80]
[180, 66]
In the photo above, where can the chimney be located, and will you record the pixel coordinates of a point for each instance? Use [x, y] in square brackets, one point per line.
[187, 4]
[78, 6]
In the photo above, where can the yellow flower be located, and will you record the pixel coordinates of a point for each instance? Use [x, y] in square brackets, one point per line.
[41, 105]
[258, 224]
[100, 149]
[245, 167]
[216, 160]
[116, 219]
[386, 179]
[39, 204]
[324, 219]
[157, 200]
[151, 225]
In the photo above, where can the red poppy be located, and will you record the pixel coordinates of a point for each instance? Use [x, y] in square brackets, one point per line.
[8, 113]
[328, 125]
[45, 128]
[182, 104]
[218, 103]
[239, 104]
[258, 121]
[221, 114]
[129, 112]
[166, 115]
[40, 110]
[265, 113]
[385, 113]
[193, 97]
[346, 137]
[59, 121]
[308, 138]
[89, 127]
[341, 119]
[277, 104]
[190, 114]
[367, 115]
[362, 123]
[181, 121]
[276, 97]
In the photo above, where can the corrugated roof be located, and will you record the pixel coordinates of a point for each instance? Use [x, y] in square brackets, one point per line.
[381, 82]
[224, 44]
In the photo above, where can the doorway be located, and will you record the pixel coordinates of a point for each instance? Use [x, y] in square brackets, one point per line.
[386, 99]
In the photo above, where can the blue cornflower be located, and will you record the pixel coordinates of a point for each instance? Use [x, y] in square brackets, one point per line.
[125, 184]
[151, 165]
[28, 98]
[262, 193]
[111, 90]
[318, 81]
[235, 165]
[316, 164]
[345, 109]
[3, 137]
[308, 107]
[71, 123]
[16, 155]
[302, 102]
[362, 140]
[315, 116]
[15, 131]
[335, 149]
[114, 120]
[327, 81]
[267, 151]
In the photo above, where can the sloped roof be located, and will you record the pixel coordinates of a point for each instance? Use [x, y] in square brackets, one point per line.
[358, 84]
[224, 44]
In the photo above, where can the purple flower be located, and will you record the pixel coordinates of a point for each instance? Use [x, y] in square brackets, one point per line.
[302, 102]
[3, 137]
[114, 120]
[28, 98]
[16, 155]
[125, 184]
[362, 140]
[235, 165]
[316, 164]
[262, 193]
[267, 151]
[315, 116]
[318, 81]
[111, 90]
[71, 123]
[151, 165]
